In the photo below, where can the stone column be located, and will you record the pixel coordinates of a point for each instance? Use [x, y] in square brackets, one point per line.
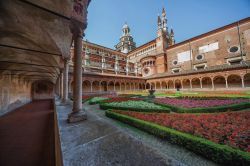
[91, 86]
[78, 23]
[201, 83]
[212, 83]
[78, 114]
[226, 83]
[61, 84]
[65, 81]
[242, 82]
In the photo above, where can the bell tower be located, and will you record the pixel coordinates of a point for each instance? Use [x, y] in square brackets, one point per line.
[126, 43]
[161, 43]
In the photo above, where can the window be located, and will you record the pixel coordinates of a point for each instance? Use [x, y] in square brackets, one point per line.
[176, 70]
[146, 70]
[233, 49]
[199, 57]
[184, 56]
[209, 47]
[200, 67]
[175, 62]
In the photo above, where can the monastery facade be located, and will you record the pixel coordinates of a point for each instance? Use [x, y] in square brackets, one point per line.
[216, 60]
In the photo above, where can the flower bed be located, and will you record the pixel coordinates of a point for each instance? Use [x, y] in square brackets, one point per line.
[134, 105]
[96, 100]
[120, 99]
[203, 103]
[183, 105]
[215, 136]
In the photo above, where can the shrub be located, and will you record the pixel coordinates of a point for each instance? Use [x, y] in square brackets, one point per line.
[96, 100]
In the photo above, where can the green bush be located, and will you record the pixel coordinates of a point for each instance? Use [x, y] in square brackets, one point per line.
[97, 100]
[137, 106]
[221, 154]
[233, 107]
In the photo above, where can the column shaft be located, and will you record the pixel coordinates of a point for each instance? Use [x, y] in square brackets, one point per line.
[65, 81]
[77, 91]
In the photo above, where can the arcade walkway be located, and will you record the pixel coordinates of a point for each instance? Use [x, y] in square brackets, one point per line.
[26, 135]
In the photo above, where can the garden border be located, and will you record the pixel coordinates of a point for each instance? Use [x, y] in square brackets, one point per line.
[105, 106]
[232, 107]
[221, 154]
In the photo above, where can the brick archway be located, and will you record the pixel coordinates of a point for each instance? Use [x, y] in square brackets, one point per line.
[186, 84]
[234, 81]
[196, 83]
[206, 82]
[247, 80]
[219, 82]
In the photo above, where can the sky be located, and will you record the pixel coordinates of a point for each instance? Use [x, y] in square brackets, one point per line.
[188, 18]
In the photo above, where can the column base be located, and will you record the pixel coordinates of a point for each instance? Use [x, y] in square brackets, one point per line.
[65, 102]
[77, 116]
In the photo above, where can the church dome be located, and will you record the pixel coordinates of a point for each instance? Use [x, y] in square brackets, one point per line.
[125, 26]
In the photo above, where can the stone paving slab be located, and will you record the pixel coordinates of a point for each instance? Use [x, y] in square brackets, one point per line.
[97, 142]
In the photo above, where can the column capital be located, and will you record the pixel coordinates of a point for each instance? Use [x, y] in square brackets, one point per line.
[78, 20]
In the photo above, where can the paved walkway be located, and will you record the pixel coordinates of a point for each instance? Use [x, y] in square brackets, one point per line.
[26, 135]
[103, 141]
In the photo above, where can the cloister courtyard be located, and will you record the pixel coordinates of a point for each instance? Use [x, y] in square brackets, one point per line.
[180, 99]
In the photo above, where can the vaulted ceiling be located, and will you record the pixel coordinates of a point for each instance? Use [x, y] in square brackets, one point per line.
[34, 37]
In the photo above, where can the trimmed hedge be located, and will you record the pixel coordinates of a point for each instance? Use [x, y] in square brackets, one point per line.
[233, 107]
[106, 106]
[221, 154]
[96, 102]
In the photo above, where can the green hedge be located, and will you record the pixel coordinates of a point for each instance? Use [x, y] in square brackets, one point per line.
[91, 102]
[221, 154]
[233, 107]
[106, 106]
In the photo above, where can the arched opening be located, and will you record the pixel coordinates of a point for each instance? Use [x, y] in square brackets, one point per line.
[141, 86]
[158, 85]
[117, 86]
[164, 85]
[170, 84]
[177, 84]
[136, 86]
[86, 86]
[104, 86]
[153, 85]
[111, 86]
[42, 89]
[95, 86]
[128, 86]
[196, 83]
[247, 80]
[147, 85]
[234, 81]
[132, 86]
[219, 82]
[186, 84]
[123, 86]
[206, 82]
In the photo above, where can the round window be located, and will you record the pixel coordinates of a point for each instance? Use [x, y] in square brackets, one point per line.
[234, 49]
[175, 62]
[199, 57]
[146, 70]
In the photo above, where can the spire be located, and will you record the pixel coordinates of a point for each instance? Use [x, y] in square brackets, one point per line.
[159, 23]
[164, 20]
[163, 12]
[172, 40]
